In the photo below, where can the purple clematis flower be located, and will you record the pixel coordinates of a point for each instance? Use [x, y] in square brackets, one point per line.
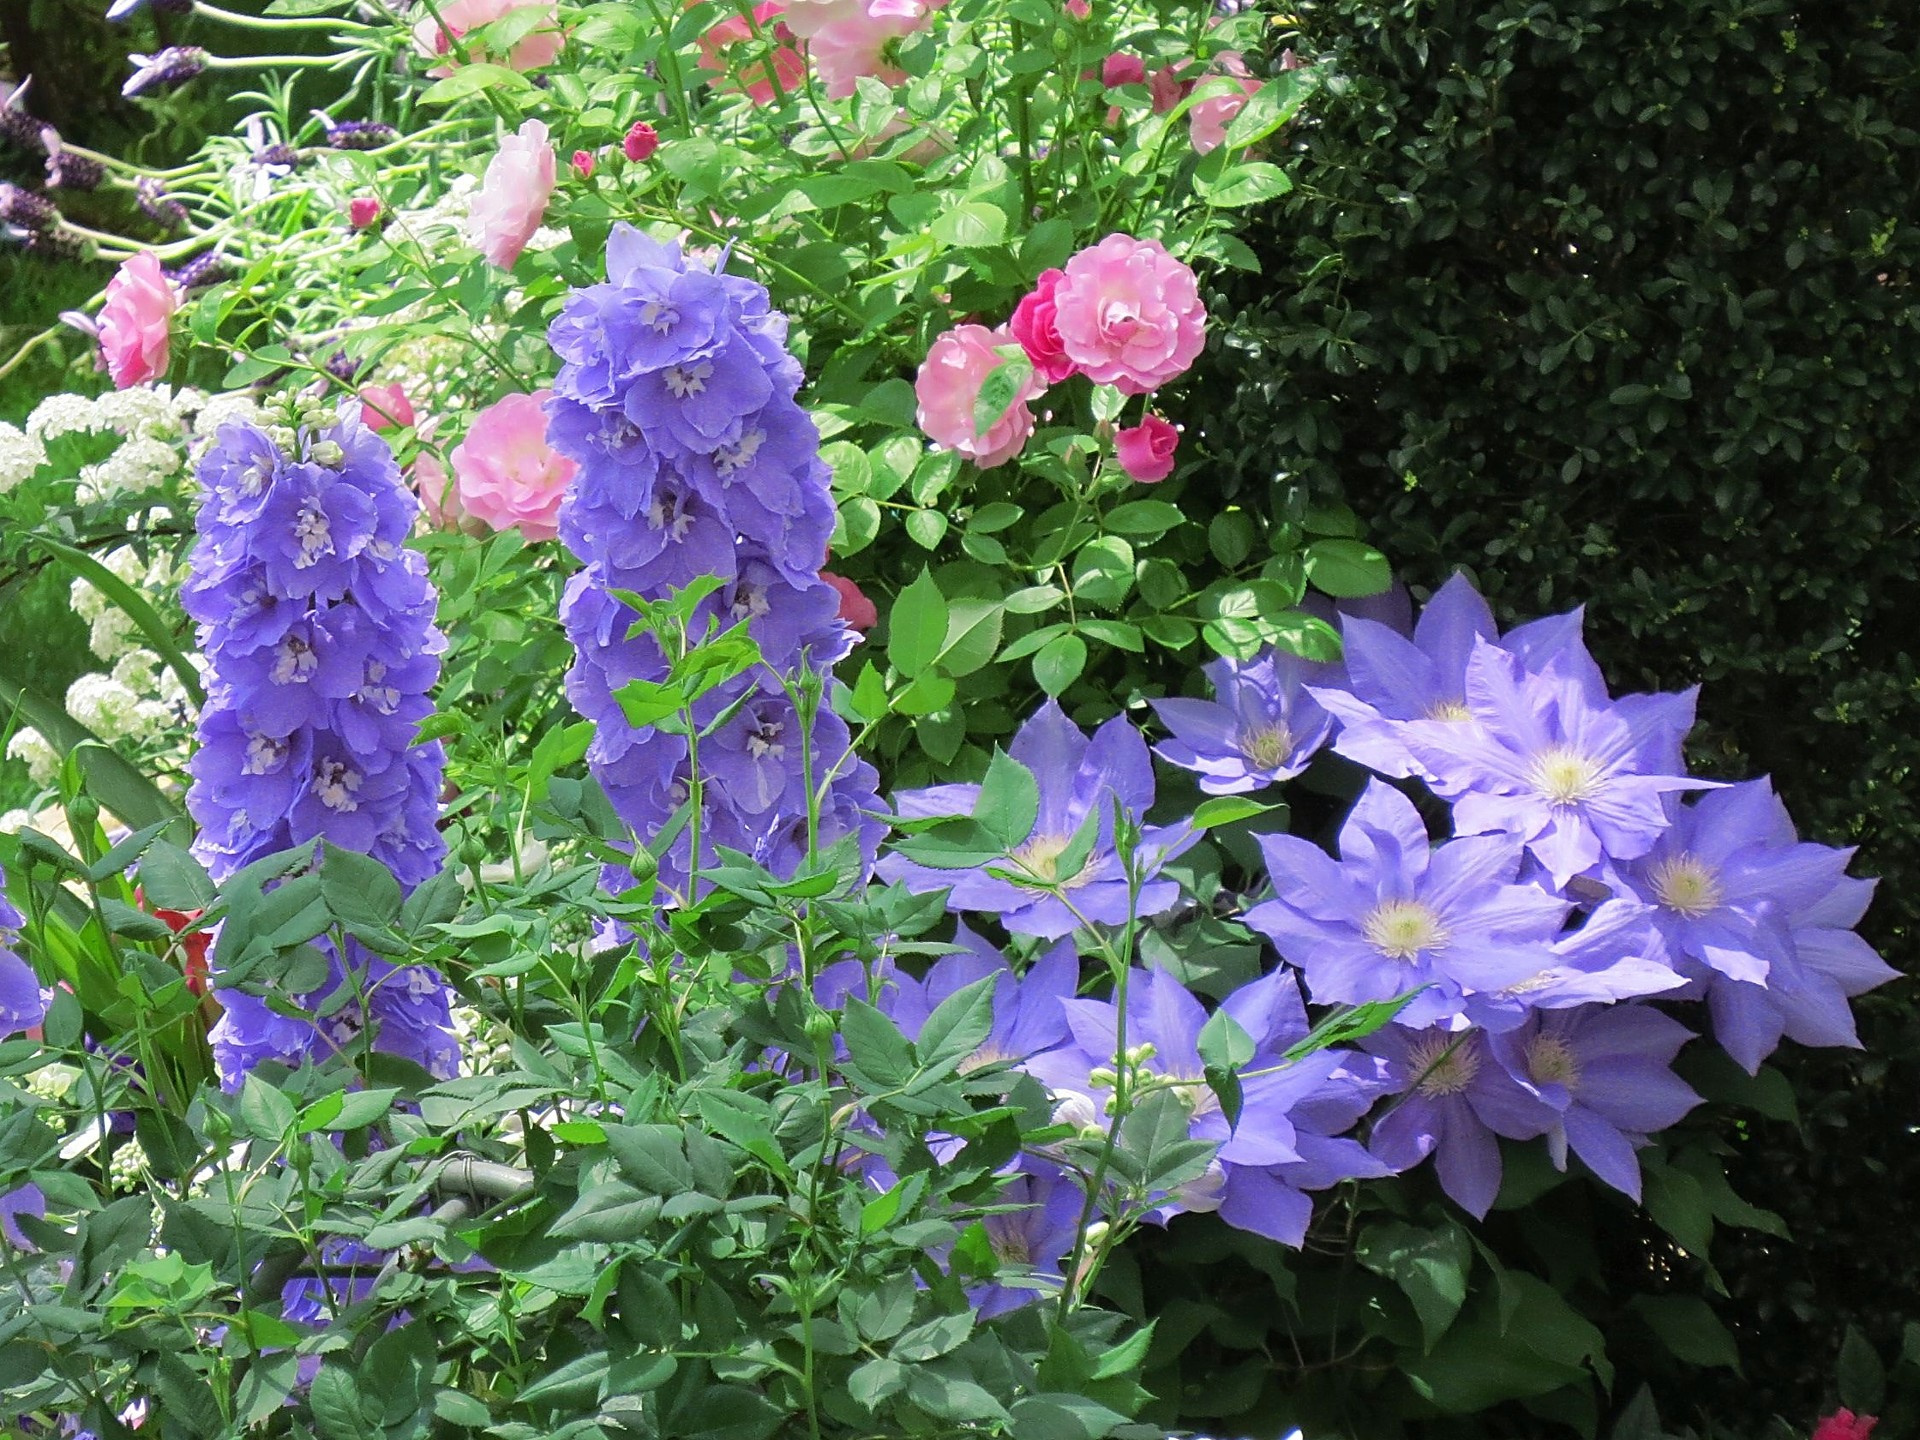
[1397, 913]
[1260, 728]
[1078, 778]
[1391, 678]
[1606, 1070]
[1031, 1239]
[1613, 956]
[1028, 1017]
[1456, 1101]
[1548, 759]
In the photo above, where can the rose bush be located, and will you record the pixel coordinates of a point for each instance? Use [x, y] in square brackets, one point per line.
[526, 948]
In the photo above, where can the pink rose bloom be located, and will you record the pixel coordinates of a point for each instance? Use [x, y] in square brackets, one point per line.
[512, 199]
[1079, 9]
[948, 384]
[385, 407]
[1845, 1425]
[640, 142]
[807, 18]
[536, 50]
[1207, 121]
[1121, 68]
[134, 321]
[1033, 326]
[1168, 88]
[846, 50]
[441, 505]
[1129, 314]
[506, 474]
[1146, 450]
[362, 211]
[789, 68]
[855, 608]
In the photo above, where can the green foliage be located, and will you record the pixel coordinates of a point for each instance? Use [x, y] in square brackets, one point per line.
[1612, 303]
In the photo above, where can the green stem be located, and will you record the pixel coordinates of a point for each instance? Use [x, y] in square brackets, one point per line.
[277, 22]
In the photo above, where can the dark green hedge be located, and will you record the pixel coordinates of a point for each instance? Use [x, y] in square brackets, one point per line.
[1611, 301]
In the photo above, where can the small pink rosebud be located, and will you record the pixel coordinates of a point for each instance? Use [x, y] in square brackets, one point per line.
[1845, 1425]
[1079, 9]
[1146, 450]
[362, 211]
[641, 141]
[583, 164]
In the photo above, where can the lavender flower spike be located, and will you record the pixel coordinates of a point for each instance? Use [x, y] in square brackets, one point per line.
[174, 65]
[1574, 777]
[1260, 728]
[1078, 778]
[1605, 1069]
[1397, 913]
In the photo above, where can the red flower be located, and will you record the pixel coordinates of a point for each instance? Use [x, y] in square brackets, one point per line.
[855, 608]
[583, 164]
[195, 945]
[1845, 1425]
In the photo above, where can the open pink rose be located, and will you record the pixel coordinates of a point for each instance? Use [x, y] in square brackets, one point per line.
[846, 51]
[506, 474]
[513, 195]
[1032, 325]
[1167, 88]
[385, 407]
[1129, 314]
[1121, 68]
[535, 51]
[1146, 450]
[134, 321]
[782, 62]
[948, 384]
[1208, 119]
[855, 608]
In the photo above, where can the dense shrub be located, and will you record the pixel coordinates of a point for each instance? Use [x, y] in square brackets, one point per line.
[1613, 302]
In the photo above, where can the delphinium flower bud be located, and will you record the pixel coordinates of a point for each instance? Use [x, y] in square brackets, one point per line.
[676, 398]
[174, 65]
[158, 206]
[317, 623]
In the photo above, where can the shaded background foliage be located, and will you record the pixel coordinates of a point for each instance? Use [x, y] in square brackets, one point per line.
[1612, 302]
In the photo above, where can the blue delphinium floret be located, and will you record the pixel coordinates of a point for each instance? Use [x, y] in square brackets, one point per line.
[22, 1002]
[1260, 728]
[317, 625]
[676, 396]
[1078, 777]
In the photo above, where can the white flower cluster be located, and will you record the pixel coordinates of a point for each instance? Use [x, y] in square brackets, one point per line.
[111, 629]
[158, 427]
[486, 1047]
[31, 749]
[140, 699]
[20, 456]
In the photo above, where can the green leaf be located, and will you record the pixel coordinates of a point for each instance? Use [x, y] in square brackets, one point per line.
[172, 879]
[973, 634]
[472, 79]
[1430, 1266]
[917, 626]
[957, 1027]
[1059, 663]
[933, 1339]
[1009, 802]
[1001, 388]
[876, 1381]
[1346, 568]
[971, 224]
[1224, 1043]
[338, 1411]
[1144, 517]
[878, 1055]
[1861, 1378]
[264, 1110]
[926, 528]
[1245, 184]
[1691, 1331]
[1267, 109]
[1226, 810]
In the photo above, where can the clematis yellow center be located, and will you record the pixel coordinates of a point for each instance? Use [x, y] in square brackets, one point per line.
[1563, 776]
[1454, 712]
[1039, 858]
[1401, 929]
[1443, 1064]
[1687, 886]
[1267, 746]
[1550, 1062]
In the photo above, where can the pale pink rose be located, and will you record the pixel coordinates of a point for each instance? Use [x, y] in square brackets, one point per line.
[385, 407]
[807, 18]
[506, 474]
[512, 199]
[441, 504]
[1033, 326]
[846, 50]
[855, 608]
[1208, 119]
[134, 321]
[1146, 449]
[1129, 314]
[948, 384]
[756, 79]
[535, 51]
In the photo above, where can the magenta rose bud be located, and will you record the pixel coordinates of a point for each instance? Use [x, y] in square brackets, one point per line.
[583, 164]
[855, 608]
[1146, 450]
[135, 320]
[1079, 9]
[362, 211]
[949, 383]
[513, 195]
[1129, 314]
[506, 474]
[1121, 68]
[640, 142]
[1033, 326]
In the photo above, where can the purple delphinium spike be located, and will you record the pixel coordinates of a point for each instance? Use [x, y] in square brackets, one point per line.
[317, 623]
[1455, 1101]
[1396, 912]
[1392, 678]
[1260, 728]
[174, 65]
[1548, 759]
[1761, 920]
[1078, 777]
[1606, 1071]
[22, 1002]
[676, 396]
[158, 206]
[26, 209]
